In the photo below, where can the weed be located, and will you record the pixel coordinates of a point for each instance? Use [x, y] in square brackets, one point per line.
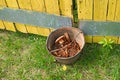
[107, 43]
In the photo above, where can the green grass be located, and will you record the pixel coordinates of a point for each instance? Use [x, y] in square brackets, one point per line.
[25, 57]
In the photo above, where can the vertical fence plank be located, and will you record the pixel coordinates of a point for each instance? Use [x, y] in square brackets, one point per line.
[119, 40]
[52, 7]
[9, 25]
[2, 25]
[100, 11]
[32, 29]
[80, 7]
[111, 10]
[13, 4]
[21, 27]
[25, 4]
[38, 5]
[85, 12]
[43, 31]
[96, 39]
[88, 39]
[66, 8]
[2, 4]
[117, 14]
[85, 8]
[111, 17]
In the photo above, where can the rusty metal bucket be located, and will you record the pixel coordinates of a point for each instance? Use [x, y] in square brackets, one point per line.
[73, 32]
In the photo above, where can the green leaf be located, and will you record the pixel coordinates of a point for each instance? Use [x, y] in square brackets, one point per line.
[110, 46]
[101, 42]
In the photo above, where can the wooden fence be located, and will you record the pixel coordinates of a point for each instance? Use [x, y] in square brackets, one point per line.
[98, 10]
[62, 7]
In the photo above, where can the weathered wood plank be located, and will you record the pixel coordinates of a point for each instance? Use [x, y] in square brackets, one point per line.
[88, 39]
[97, 39]
[85, 12]
[119, 40]
[85, 9]
[2, 3]
[32, 29]
[117, 14]
[12, 3]
[66, 8]
[80, 7]
[38, 5]
[9, 26]
[2, 25]
[100, 9]
[43, 31]
[24, 4]
[21, 27]
[52, 7]
[111, 10]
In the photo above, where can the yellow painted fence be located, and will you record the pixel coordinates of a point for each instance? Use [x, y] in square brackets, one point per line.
[99, 10]
[57, 7]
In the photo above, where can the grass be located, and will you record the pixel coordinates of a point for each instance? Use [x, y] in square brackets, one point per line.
[24, 57]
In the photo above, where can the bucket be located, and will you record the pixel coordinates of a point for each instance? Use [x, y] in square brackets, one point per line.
[74, 33]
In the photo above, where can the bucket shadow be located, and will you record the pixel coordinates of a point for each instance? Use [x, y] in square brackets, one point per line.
[90, 55]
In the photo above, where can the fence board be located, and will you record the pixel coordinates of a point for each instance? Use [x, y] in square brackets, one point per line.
[12, 3]
[38, 5]
[2, 3]
[29, 28]
[119, 40]
[117, 14]
[43, 31]
[21, 27]
[32, 29]
[111, 10]
[85, 9]
[100, 11]
[96, 39]
[2, 25]
[8, 25]
[66, 7]
[88, 39]
[24, 4]
[111, 17]
[52, 6]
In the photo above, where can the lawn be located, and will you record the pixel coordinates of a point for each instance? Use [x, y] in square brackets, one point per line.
[25, 57]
